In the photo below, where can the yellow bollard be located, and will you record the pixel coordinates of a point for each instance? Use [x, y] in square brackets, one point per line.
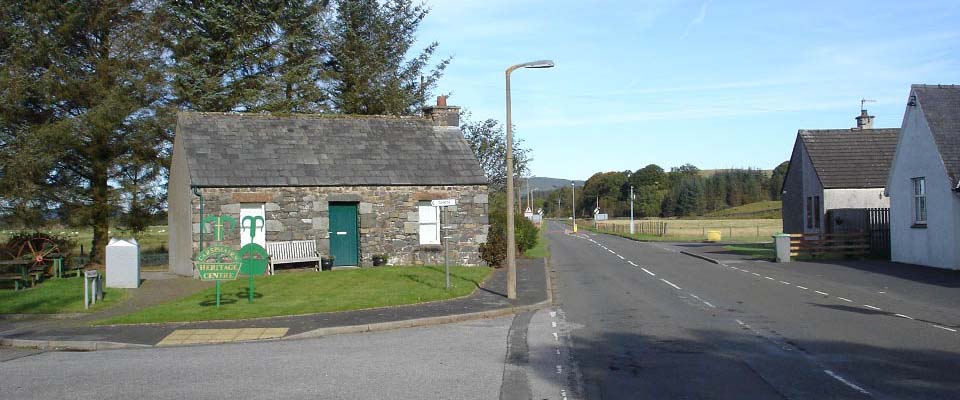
[713, 236]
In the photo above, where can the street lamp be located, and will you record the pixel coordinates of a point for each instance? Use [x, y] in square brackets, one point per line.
[631, 209]
[511, 246]
[573, 204]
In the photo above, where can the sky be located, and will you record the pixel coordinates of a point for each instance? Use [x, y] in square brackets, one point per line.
[714, 83]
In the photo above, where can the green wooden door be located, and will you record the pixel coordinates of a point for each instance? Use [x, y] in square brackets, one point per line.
[344, 236]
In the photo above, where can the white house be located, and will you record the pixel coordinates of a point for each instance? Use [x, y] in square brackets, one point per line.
[924, 182]
[836, 169]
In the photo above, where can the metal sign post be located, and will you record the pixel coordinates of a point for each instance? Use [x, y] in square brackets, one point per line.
[443, 204]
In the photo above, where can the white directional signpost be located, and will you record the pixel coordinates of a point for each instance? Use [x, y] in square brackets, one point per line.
[443, 204]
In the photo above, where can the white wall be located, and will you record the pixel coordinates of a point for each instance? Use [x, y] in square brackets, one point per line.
[917, 155]
[854, 198]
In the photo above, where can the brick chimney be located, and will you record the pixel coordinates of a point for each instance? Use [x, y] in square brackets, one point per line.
[442, 114]
[864, 121]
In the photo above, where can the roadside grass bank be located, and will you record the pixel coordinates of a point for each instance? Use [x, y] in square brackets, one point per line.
[308, 292]
[55, 296]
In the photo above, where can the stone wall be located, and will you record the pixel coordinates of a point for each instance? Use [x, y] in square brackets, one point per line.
[388, 218]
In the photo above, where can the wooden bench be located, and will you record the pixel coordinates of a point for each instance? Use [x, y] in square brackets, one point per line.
[17, 280]
[292, 252]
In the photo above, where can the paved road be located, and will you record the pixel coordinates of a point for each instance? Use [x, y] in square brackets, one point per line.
[458, 361]
[658, 324]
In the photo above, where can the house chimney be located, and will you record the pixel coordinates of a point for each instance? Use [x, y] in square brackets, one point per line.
[864, 121]
[442, 114]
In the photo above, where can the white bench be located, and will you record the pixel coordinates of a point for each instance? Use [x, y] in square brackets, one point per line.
[292, 252]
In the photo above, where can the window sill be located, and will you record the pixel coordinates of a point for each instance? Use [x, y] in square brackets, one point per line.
[431, 247]
[918, 226]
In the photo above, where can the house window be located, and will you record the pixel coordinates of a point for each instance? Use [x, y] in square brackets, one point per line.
[817, 212]
[429, 223]
[919, 201]
[809, 212]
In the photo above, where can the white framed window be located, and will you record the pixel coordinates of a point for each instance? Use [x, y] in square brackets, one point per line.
[429, 223]
[919, 201]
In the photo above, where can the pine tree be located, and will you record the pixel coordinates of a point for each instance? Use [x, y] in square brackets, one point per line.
[369, 65]
[80, 110]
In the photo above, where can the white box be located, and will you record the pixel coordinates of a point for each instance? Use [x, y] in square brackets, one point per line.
[123, 264]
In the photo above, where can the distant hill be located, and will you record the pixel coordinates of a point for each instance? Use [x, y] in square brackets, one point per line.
[759, 210]
[544, 184]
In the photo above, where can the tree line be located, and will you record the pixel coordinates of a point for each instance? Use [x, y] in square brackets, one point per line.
[89, 89]
[682, 191]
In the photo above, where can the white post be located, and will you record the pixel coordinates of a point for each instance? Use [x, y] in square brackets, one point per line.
[631, 209]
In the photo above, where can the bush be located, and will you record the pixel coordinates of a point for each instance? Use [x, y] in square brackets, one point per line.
[494, 251]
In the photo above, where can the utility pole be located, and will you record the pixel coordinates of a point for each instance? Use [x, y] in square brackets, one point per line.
[573, 204]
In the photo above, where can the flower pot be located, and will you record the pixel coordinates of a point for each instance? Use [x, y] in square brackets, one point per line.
[326, 263]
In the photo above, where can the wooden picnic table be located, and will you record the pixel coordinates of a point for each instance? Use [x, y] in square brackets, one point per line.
[22, 266]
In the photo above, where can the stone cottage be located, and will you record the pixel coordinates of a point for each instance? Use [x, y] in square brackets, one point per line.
[358, 186]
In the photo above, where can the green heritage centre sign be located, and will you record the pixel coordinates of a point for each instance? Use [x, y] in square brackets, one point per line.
[218, 263]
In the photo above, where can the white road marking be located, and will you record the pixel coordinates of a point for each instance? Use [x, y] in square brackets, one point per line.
[553, 314]
[621, 257]
[559, 369]
[872, 307]
[845, 299]
[740, 322]
[694, 296]
[553, 324]
[708, 303]
[785, 283]
[631, 263]
[611, 251]
[825, 294]
[944, 328]
[735, 268]
[670, 283]
[801, 287]
[555, 337]
[755, 273]
[846, 382]
[648, 271]
[769, 278]
[903, 316]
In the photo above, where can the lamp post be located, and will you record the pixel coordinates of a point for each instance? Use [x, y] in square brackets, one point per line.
[573, 204]
[511, 246]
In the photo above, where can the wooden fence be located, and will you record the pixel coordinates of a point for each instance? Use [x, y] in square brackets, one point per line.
[873, 222]
[855, 244]
[656, 228]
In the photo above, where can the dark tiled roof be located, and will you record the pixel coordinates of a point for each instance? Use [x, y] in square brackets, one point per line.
[247, 150]
[851, 158]
[941, 108]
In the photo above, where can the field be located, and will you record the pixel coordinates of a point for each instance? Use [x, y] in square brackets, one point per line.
[738, 230]
[758, 210]
[153, 240]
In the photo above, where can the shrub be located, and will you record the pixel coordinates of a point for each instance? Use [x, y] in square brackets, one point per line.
[494, 251]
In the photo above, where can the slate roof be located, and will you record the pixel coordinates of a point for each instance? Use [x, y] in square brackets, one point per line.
[851, 158]
[257, 150]
[941, 108]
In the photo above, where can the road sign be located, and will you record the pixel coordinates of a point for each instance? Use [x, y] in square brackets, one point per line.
[443, 202]
[218, 263]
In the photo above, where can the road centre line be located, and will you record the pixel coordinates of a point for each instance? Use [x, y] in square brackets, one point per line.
[631, 263]
[694, 296]
[671, 284]
[621, 257]
[903, 316]
[872, 307]
[755, 273]
[611, 251]
[846, 382]
[845, 299]
[944, 328]
[708, 303]
[648, 272]
[785, 283]
[769, 278]
[801, 287]
[825, 294]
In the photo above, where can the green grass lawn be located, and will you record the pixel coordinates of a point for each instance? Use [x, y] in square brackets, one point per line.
[759, 210]
[758, 250]
[54, 296]
[313, 292]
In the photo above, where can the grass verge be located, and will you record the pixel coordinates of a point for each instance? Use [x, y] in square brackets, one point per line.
[55, 296]
[542, 249]
[757, 250]
[311, 292]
